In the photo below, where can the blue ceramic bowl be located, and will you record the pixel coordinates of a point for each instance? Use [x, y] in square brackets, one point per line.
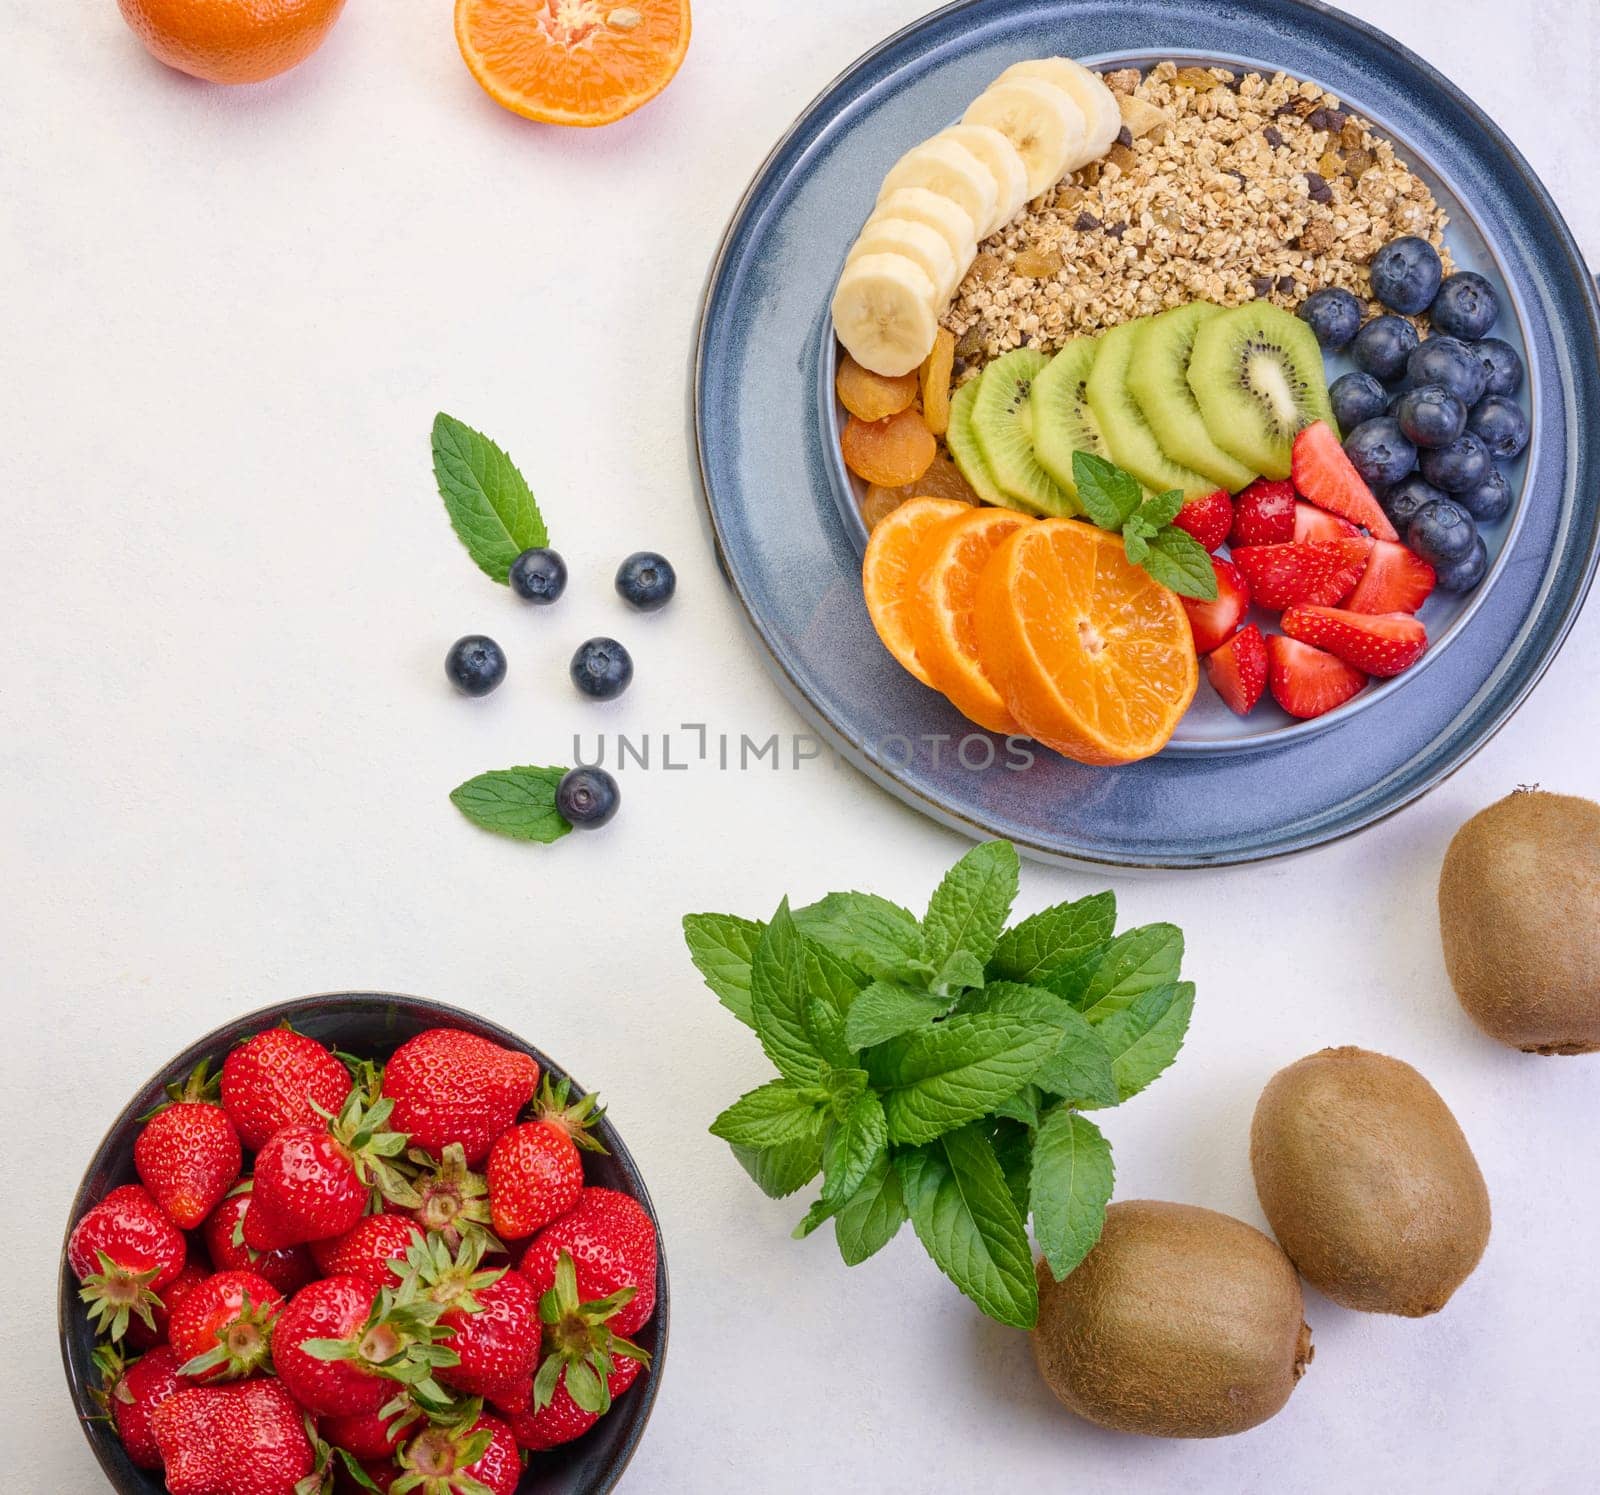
[375, 1024]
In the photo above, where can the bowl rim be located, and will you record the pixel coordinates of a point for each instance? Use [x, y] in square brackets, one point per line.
[269, 1015]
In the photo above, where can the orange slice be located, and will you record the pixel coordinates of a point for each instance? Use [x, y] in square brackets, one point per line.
[573, 62]
[1091, 654]
[945, 575]
[887, 577]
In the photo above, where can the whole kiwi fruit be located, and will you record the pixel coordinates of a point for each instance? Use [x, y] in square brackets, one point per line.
[1368, 1182]
[1181, 1323]
[1519, 904]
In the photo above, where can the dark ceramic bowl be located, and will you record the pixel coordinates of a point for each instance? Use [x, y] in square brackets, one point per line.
[367, 1023]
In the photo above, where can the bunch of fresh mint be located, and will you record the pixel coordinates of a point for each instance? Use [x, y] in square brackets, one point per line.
[938, 1071]
[1114, 500]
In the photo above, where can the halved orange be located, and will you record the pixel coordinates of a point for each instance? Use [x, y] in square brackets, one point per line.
[1092, 655]
[887, 577]
[573, 62]
[945, 573]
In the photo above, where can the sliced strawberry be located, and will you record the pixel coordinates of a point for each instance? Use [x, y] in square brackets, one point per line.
[1208, 518]
[1306, 682]
[1213, 623]
[1238, 670]
[1312, 523]
[1319, 572]
[1378, 643]
[1397, 580]
[1329, 479]
[1263, 514]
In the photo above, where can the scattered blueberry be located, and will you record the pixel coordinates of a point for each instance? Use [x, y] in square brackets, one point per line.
[1382, 347]
[1333, 314]
[1466, 306]
[646, 581]
[1465, 574]
[1449, 362]
[587, 797]
[1500, 425]
[538, 575]
[1442, 533]
[475, 664]
[1501, 364]
[1431, 416]
[1405, 274]
[1459, 467]
[1406, 499]
[1380, 451]
[1356, 398]
[1490, 501]
[601, 668]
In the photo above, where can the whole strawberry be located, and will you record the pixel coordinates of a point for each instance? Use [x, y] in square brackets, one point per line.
[480, 1460]
[316, 1181]
[245, 1438]
[374, 1248]
[223, 1329]
[142, 1336]
[535, 1170]
[125, 1251]
[453, 1200]
[279, 1078]
[563, 1419]
[288, 1269]
[133, 1390]
[449, 1086]
[612, 1244]
[376, 1434]
[188, 1154]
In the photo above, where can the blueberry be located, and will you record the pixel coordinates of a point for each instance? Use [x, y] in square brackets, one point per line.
[1465, 574]
[1382, 347]
[1490, 501]
[1450, 363]
[587, 797]
[475, 664]
[1442, 533]
[1333, 314]
[1380, 451]
[1501, 364]
[1431, 416]
[1403, 501]
[1356, 398]
[1459, 467]
[1405, 274]
[646, 581]
[538, 575]
[1500, 425]
[1466, 306]
[601, 668]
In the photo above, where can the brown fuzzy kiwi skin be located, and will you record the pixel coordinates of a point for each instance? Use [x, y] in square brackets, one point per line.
[1368, 1182]
[1519, 902]
[1181, 1323]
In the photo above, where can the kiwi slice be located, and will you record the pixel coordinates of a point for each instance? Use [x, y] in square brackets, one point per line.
[1159, 379]
[1133, 444]
[1002, 421]
[1063, 423]
[964, 450]
[1256, 372]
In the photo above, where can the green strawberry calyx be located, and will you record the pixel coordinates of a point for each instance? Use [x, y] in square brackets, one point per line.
[453, 1201]
[361, 1129]
[552, 1109]
[581, 1342]
[402, 1340]
[445, 1279]
[243, 1344]
[201, 1087]
[116, 1293]
[435, 1462]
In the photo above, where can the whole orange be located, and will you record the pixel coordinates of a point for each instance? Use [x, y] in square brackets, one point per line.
[231, 41]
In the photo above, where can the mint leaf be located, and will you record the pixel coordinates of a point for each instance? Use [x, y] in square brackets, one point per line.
[969, 907]
[778, 1112]
[872, 1216]
[1135, 546]
[880, 937]
[1160, 511]
[854, 1146]
[489, 503]
[1080, 1067]
[1023, 1106]
[1069, 1187]
[825, 1025]
[1055, 939]
[961, 970]
[779, 992]
[722, 947]
[1133, 963]
[1180, 563]
[515, 802]
[781, 1171]
[965, 1217]
[1108, 494]
[884, 1011]
[1013, 1150]
[1143, 1039]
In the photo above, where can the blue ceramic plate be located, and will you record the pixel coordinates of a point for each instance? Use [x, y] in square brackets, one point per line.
[782, 508]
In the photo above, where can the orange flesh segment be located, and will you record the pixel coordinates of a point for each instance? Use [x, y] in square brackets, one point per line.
[887, 576]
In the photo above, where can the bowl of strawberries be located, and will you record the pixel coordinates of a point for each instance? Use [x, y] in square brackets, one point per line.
[363, 1242]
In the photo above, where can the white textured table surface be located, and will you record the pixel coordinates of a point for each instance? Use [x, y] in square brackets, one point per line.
[225, 741]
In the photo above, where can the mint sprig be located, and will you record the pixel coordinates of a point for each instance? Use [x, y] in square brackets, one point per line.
[938, 1070]
[1115, 501]
[491, 507]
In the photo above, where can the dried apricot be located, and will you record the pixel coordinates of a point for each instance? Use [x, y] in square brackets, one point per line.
[936, 371]
[871, 396]
[891, 452]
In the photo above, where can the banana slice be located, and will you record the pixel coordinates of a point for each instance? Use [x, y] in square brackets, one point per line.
[1040, 120]
[939, 213]
[1000, 156]
[952, 171]
[1087, 89]
[922, 245]
[883, 313]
